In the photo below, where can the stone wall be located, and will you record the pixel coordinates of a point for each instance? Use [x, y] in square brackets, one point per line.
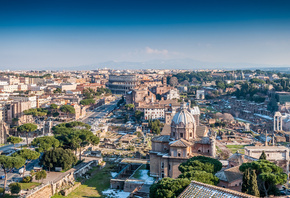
[68, 191]
[43, 192]
[46, 191]
[130, 185]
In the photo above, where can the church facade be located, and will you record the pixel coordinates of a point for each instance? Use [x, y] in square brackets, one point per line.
[182, 139]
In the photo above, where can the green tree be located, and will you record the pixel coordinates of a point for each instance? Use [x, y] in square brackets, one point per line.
[246, 181]
[28, 155]
[15, 188]
[201, 163]
[220, 84]
[168, 188]
[36, 112]
[40, 175]
[87, 102]
[27, 128]
[53, 106]
[138, 115]
[121, 101]
[45, 143]
[87, 138]
[67, 109]
[66, 128]
[200, 168]
[257, 81]
[269, 175]
[130, 106]
[201, 176]
[14, 140]
[155, 126]
[253, 188]
[7, 163]
[57, 90]
[263, 156]
[58, 157]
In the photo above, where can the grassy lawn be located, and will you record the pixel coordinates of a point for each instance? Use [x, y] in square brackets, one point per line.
[138, 175]
[94, 186]
[29, 185]
[235, 148]
[218, 150]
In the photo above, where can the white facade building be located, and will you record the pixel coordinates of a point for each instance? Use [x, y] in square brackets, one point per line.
[154, 113]
[172, 94]
[9, 88]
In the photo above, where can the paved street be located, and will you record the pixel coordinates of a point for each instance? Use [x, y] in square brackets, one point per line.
[15, 176]
[100, 113]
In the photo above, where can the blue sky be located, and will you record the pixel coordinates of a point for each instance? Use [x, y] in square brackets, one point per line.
[64, 33]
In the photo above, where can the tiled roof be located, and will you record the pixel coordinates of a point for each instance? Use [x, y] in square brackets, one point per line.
[161, 138]
[180, 143]
[201, 131]
[201, 190]
[230, 174]
[166, 130]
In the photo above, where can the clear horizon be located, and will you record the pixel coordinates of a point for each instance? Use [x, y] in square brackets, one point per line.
[60, 34]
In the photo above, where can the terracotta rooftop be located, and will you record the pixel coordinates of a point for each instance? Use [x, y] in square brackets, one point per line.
[198, 190]
[162, 138]
[180, 143]
[230, 174]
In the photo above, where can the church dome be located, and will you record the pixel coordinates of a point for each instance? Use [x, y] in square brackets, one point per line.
[183, 116]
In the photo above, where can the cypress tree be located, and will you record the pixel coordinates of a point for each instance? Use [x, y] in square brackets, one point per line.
[253, 188]
[263, 156]
[246, 181]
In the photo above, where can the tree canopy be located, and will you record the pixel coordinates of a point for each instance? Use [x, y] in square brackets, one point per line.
[138, 115]
[201, 176]
[268, 176]
[66, 128]
[90, 93]
[45, 143]
[87, 101]
[200, 168]
[67, 109]
[201, 163]
[155, 126]
[27, 127]
[40, 175]
[15, 188]
[36, 112]
[58, 157]
[130, 106]
[53, 106]
[57, 90]
[263, 156]
[27, 154]
[7, 163]
[14, 140]
[168, 188]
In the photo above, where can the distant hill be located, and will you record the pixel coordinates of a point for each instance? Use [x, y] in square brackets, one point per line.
[185, 63]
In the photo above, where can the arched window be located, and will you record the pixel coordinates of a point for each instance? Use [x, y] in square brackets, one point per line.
[179, 154]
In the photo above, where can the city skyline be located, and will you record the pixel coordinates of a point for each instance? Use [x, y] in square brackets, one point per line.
[66, 34]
